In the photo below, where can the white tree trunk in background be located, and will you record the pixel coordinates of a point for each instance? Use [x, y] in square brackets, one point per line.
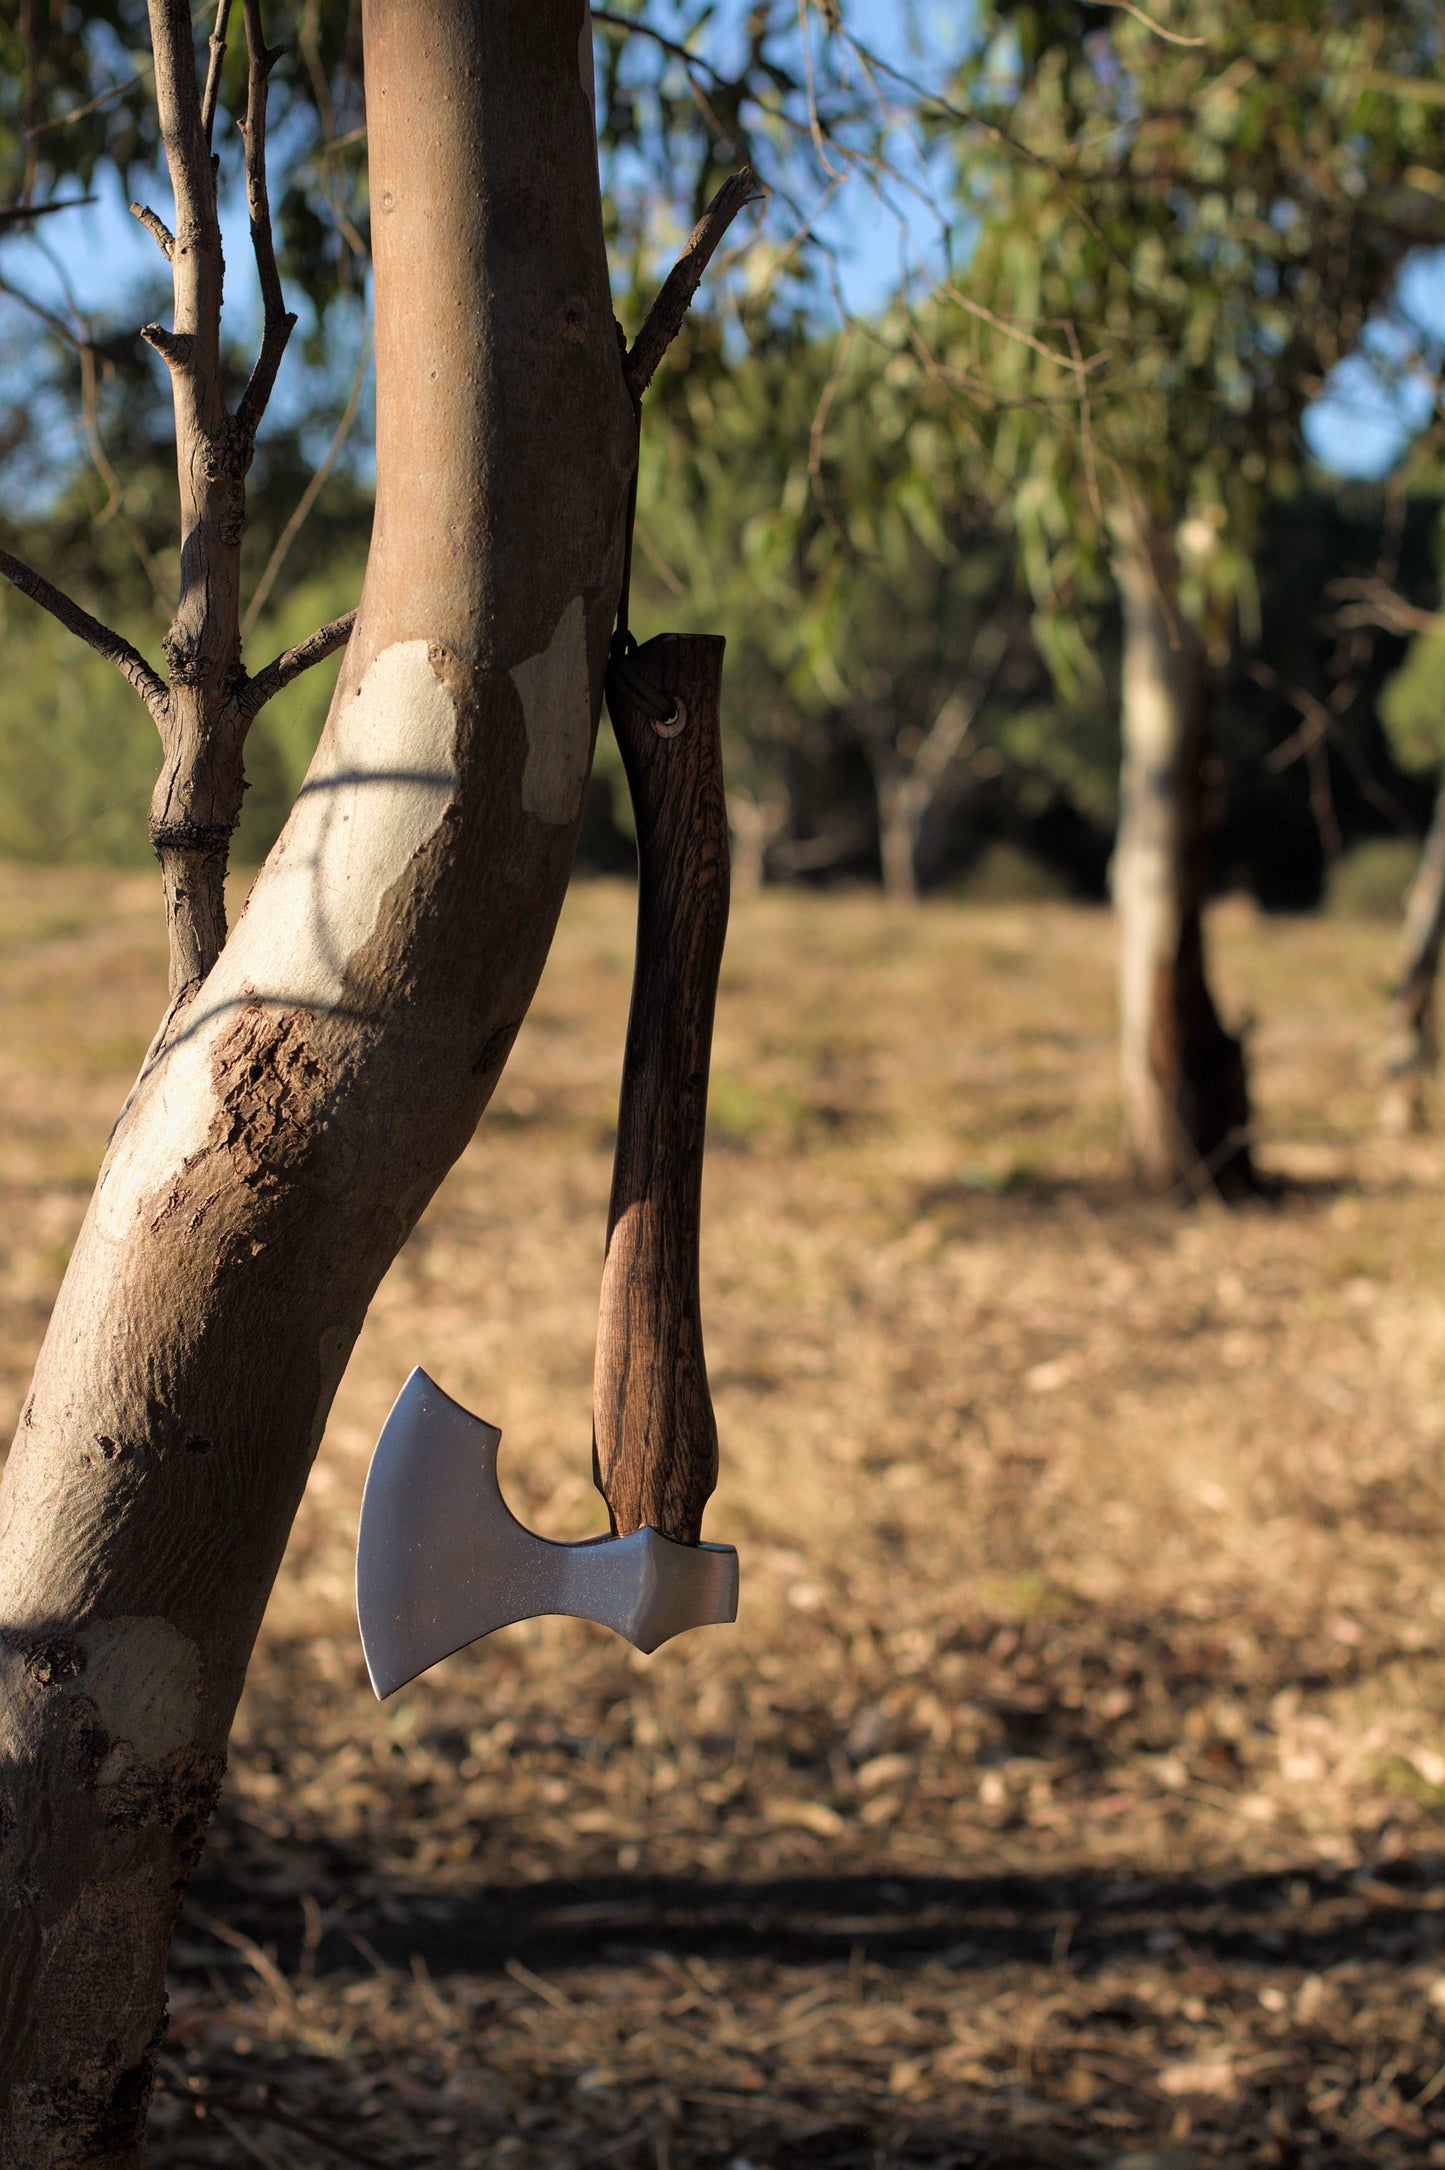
[1186, 1106]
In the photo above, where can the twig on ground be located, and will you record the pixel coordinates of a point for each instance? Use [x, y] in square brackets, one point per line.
[226, 2107]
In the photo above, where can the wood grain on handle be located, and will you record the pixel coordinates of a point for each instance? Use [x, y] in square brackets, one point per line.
[654, 1436]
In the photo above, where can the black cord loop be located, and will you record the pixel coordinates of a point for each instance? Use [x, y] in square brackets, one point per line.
[624, 679]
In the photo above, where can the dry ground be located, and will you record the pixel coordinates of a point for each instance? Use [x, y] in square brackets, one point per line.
[1072, 1789]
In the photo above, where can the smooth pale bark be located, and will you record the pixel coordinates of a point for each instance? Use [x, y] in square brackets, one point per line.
[755, 825]
[901, 807]
[1186, 1101]
[908, 786]
[1412, 1054]
[333, 1064]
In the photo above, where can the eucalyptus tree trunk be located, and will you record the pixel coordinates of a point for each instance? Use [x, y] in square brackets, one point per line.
[1186, 1101]
[911, 774]
[1412, 1053]
[902, 804]
[333, 1063]
[755, 825]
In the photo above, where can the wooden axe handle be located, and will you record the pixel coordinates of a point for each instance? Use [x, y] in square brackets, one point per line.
[654, 1436]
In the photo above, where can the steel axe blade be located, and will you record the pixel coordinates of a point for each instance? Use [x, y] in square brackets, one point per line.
[441, 1558]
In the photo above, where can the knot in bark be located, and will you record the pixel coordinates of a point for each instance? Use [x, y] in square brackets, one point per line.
[184, 656]
[210, 840]
[49, 1659]
[228, 451]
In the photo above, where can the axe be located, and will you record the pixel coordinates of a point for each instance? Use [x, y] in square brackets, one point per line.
[440, 1558]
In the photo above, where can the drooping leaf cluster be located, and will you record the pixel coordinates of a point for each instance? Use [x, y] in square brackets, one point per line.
[1176, 234]
[825, 516]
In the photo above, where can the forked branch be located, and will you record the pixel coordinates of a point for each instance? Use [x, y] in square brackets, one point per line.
[129, 661]
[665, 318]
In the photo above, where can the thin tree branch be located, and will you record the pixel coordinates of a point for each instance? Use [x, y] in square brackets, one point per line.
[84, 347]
[955, 720]
[1372, 603]
[21, 214]
[157, 228]
[815, 126]
[278, 323]
[1126, 7]
[217, 44]
[308, 496]
[33, 100]
[665, 317]
[277, 676]
[131, 664]
[187, 151]
[610, 20]
[91, 105]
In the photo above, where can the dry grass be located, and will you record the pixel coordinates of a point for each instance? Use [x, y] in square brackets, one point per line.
[1071, 1789]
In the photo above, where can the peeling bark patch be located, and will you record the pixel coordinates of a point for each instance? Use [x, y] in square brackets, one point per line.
[269, 1084]
[556, 698]
[143, 1678]
[178, 1797]
[383, 779]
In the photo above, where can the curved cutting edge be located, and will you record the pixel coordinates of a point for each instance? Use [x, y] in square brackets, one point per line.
[441, 1558]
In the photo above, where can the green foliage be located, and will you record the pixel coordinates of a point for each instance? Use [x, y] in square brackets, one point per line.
[75, 94]
[78, 752]
[283, 737]
[819, 507]
[1412, 707]
[1174, 237]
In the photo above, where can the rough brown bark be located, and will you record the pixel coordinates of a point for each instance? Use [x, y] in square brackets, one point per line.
[197, 799]
[334, 1062]
[1185, 1093]
[1413, 1052]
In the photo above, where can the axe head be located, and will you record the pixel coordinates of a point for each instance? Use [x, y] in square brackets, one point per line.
[441, 1559]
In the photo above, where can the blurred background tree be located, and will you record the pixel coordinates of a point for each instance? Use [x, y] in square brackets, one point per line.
[1173, 225]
